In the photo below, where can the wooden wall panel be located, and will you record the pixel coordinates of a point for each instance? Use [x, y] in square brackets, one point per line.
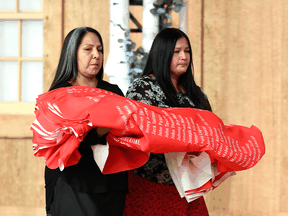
[245, 77]
[22, 177]
[284, 107]
[194, 34]
[175, 19]
[16, 126]
[52, 23]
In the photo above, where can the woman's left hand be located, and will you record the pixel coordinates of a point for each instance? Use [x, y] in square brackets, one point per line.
[102, 131]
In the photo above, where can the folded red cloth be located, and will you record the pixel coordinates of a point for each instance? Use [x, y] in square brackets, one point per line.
[64, 116]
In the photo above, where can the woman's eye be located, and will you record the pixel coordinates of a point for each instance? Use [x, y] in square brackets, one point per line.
[176, 51]
[87, 49]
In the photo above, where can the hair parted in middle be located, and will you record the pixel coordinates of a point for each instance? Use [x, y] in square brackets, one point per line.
[158, 64]
[67, 69]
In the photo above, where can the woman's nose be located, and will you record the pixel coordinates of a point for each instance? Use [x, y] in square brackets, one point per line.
[183, 55]
[96, 53]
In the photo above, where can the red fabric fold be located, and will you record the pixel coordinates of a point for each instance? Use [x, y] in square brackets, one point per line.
[64, 116]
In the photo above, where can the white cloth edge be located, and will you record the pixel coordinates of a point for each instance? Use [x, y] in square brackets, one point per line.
[192, 173]
[100, 154]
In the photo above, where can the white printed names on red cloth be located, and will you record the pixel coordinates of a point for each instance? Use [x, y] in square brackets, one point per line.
[188, 130]
[65, 114]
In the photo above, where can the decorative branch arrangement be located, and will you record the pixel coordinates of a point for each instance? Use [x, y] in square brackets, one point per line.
[137, 58]
[163, 8]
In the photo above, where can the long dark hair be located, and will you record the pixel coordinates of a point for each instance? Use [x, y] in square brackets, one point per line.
[67, 69]
[158, 64]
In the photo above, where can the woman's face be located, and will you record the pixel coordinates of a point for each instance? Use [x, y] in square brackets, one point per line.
[89, 56]
[181, 58]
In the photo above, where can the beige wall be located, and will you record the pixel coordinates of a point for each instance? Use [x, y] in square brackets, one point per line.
[245, 77]
[21, 175]
[240, 47]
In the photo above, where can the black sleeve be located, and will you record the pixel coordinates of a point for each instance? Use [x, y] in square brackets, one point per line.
[118, 91]
[109, 87]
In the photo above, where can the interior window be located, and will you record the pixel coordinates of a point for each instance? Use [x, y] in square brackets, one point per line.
[21, 50]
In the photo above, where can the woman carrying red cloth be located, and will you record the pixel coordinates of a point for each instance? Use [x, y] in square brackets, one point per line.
[82, 189]
[167, 81]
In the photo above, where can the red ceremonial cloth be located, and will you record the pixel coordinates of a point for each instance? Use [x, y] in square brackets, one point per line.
[64, 116]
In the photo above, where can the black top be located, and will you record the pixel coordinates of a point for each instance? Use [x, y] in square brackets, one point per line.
[147, 90]
[86, 175]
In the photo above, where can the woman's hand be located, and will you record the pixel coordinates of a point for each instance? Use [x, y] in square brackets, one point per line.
[102, 131]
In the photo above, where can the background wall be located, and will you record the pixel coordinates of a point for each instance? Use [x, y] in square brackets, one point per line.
[240, 51]
[246, 78]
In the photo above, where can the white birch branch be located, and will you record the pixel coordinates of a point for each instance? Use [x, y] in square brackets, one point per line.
[117, 66]
[150, 25]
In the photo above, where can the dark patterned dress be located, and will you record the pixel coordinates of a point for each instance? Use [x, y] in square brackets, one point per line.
[151, 188]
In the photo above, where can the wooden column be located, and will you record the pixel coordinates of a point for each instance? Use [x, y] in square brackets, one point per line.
[53, 39]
